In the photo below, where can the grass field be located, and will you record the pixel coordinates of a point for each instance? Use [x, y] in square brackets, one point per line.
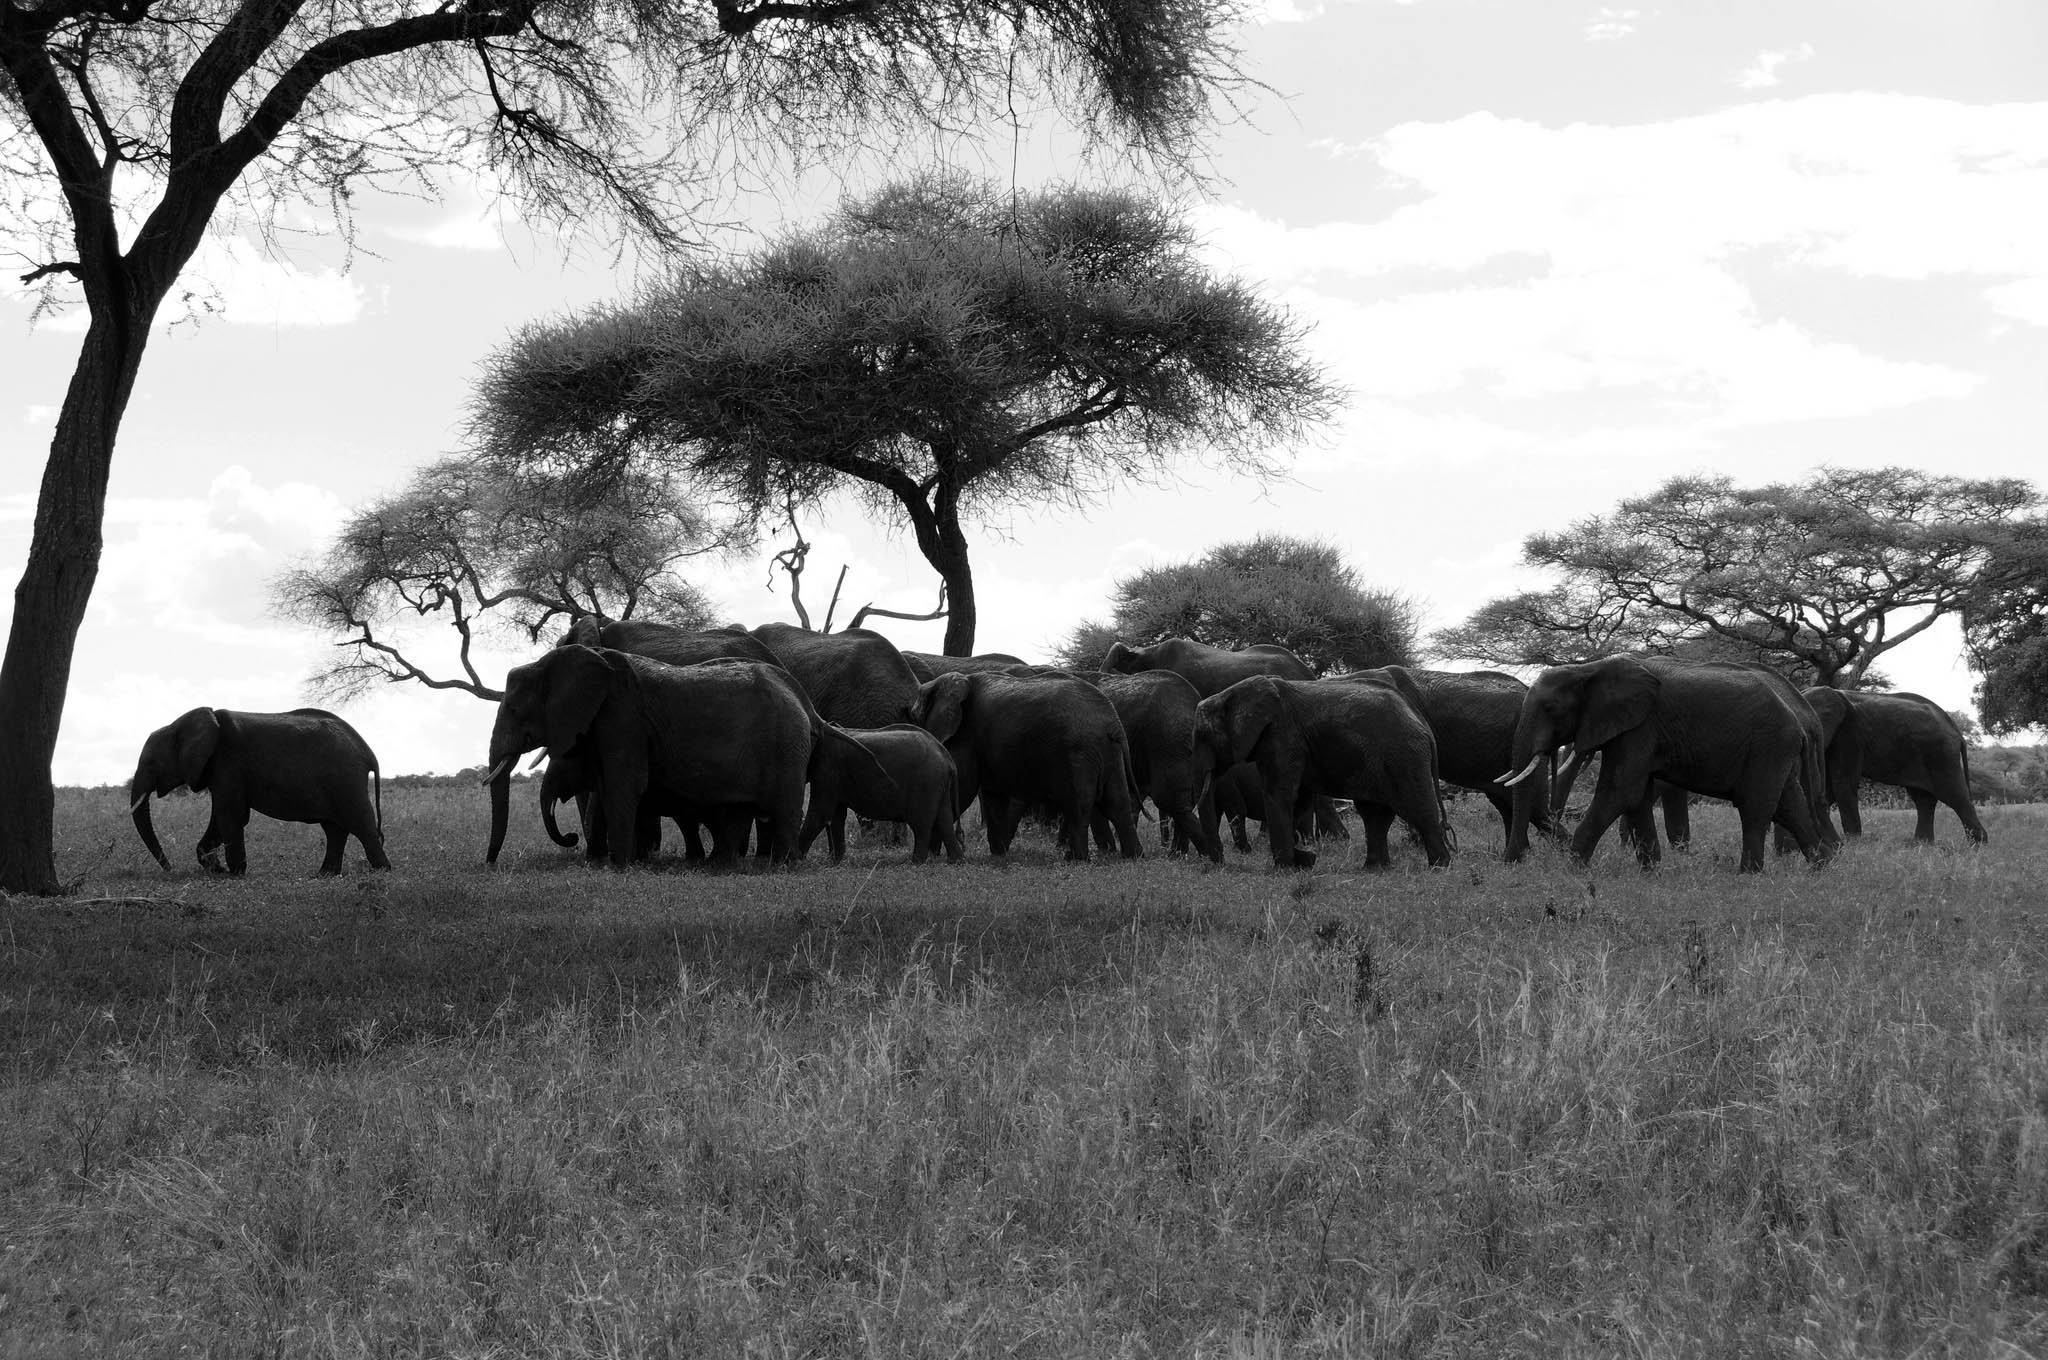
[1036, 1109]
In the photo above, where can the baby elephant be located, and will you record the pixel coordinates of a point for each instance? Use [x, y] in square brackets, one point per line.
[303, 766]
[925, 794]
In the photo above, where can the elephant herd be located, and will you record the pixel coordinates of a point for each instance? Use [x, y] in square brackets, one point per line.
[774, 735]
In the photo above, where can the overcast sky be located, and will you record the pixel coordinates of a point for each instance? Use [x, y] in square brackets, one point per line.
[1559, 251]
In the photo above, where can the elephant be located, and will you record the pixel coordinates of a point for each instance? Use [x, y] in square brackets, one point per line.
[1157, 709]
[736, 738]
[1472, 715]
[1719, 729]
[1211, 670]
[1363, 741]
[574, 775]
[923, 791]
[1901, 739]
[1640, 827]
[1053, 740]
[303, 766]
[665, 642]
[929, 666]
[856, 677]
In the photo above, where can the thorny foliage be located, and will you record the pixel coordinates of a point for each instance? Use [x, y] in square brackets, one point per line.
[621, 110]
[2006, 628]
[945, 346]
[1823, 576]
[1298, 593]
[492, 556]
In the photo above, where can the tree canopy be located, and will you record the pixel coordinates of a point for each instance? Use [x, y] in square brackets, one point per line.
[129, 128]
[2006, 628]
[946, 348]
[1819, 578]
[485, 555]
[1299, 593]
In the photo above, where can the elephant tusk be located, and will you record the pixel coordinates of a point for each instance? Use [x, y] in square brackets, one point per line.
[1526, 771]
[538, 757]
[507, 763]
[137, 804]
[1566, 756]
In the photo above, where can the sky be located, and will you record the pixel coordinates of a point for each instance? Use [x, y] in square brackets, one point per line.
[1559, 253]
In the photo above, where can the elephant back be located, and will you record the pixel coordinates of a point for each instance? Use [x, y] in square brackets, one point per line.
[856, 678]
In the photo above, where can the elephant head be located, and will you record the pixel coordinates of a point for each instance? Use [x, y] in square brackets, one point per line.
[941, 705]
[1583, 706]
[1230, 724]
[176, 755]
[1123, 659]
[549, 702]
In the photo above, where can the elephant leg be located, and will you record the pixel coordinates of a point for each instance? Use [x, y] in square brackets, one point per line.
[693, 839]
[1794, 819]
[1378, 820]
[1958, 800]
[1677, 816]
[647, 831]
[337, 841]
[1105, 834]
[1923, 805]
[1281, 801]
[946, 829]
[1756, 819]
[372, 841]
[1852, 816]
[999, 817]
[1606, 806]
[1188, 830]
[818, 818]
[207, 851]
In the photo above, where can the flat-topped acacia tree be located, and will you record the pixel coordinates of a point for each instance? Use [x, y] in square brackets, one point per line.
[129, 127]
[944, 348]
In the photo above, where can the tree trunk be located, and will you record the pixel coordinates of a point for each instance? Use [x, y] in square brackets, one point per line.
[936, 524]
[56, 585]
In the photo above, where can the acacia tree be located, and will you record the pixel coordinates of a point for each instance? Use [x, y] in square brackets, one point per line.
[128, 127]
[484, 554]
[1820, 577]
[2006, 629]
[943, 348]
[1299, 593]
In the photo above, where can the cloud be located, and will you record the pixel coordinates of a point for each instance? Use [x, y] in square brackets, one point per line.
[1763, 72]
[232, 279]
[1608, 24]
[1539, 265]
[477, 230]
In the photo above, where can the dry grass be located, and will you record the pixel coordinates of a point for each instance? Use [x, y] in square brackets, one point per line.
[1035, 1109]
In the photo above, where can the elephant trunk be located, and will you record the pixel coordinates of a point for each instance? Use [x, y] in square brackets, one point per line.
[138, 792]
[1533, 741]
[565, 839]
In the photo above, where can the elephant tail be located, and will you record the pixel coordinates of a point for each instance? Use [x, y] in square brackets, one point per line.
[377, 798]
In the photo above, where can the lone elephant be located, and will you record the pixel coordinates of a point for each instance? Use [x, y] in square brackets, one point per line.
[303, 766]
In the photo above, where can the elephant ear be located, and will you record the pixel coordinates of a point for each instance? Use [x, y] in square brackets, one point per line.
[1118, 659]
[1249, 709]
[1619, 696]
[578, 685]
[195, 736]
[944, 705]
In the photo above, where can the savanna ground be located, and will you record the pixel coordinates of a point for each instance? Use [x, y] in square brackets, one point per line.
[1033, 1109]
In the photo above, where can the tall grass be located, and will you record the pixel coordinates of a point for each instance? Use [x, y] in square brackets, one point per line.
[1035, 1108]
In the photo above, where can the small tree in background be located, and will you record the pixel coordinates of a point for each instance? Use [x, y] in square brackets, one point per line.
[490, 555]
[946, 349]
[2006, 628]
[1298, 593]
[1818, 578]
